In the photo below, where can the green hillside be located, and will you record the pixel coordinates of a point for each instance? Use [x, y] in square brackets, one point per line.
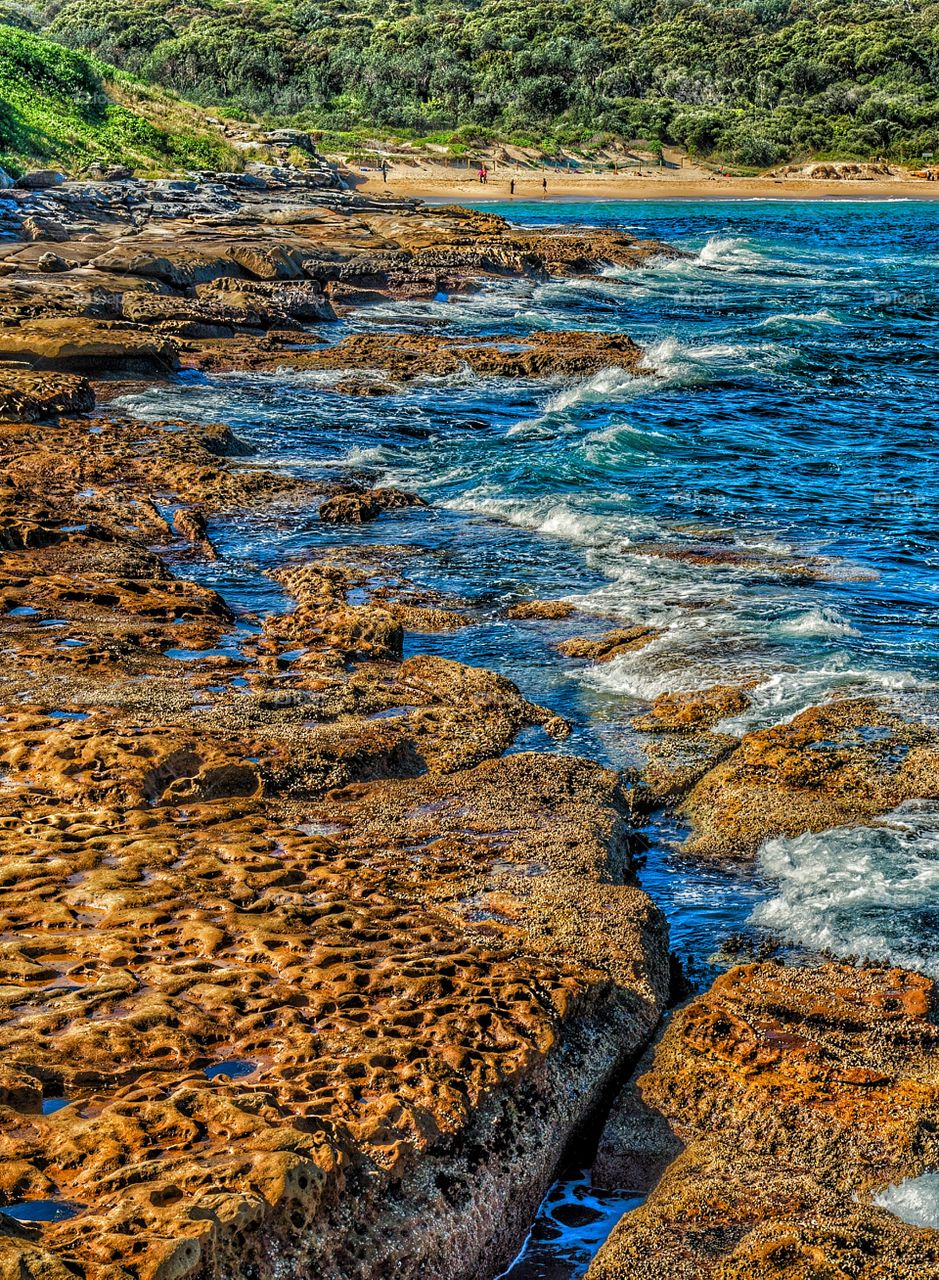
[751, 81]
[63, 109]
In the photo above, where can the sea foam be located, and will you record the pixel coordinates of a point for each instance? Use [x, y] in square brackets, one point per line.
[915, 1200]
[866, 893]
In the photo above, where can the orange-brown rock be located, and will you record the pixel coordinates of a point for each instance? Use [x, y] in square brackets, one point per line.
[459, 237]
[797, 1093]
[848, 761]
[677, 761]
[410, 1006]
[200, 464]
[325, 982]
[190, 523]
[548, 610]
[406, 356]
[682, 747]
[268, 264]
[610, 645]
[267, 301]
[30, 397]
[361, 506]
[694, 711]
[85, 346]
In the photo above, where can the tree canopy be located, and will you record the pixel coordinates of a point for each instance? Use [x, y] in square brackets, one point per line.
[753, 81]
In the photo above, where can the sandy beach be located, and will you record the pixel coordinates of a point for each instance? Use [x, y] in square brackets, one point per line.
[435, 182]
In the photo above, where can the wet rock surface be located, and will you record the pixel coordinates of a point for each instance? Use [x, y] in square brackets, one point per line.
[259, 255]
[845, 762]
[300, 973]
[305, 969]
[610, 645]
[796, 1094]
[31, 397]
[404, 357]
[359, 506]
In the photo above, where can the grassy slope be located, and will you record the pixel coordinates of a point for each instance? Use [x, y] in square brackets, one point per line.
[64, 109]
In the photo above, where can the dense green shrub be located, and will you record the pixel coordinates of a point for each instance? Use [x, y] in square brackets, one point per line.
[752, 81]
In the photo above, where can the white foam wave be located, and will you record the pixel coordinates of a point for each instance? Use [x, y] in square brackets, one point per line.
[606, 385]
[866, 893]
[915, 1200]
[799, 318]
[611, 385]
[818, 622]
[728, 253]
[674, 363]
[610, 444]
[580, 527]
[787, 693]
[365, 456]
[646, 673]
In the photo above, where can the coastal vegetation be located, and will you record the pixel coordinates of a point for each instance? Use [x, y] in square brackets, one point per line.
[749, 82]
[63, 108]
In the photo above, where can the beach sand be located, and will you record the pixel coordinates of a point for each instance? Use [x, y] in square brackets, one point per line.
[436, 182]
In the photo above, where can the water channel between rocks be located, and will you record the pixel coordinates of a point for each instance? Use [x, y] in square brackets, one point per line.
[789, 411]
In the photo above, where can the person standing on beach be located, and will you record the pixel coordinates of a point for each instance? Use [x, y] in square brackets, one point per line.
[544, 186]
[384, 171]
[512, 187]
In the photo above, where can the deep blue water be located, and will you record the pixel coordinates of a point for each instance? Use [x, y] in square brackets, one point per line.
[789, 419]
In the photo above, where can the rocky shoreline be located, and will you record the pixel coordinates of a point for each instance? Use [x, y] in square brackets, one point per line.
[302, 974]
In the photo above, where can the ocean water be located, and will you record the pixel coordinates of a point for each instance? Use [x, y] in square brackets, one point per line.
[786, 430]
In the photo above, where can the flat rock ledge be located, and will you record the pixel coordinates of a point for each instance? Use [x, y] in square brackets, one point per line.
[148, 277]
[300, 975]
[778, 1105]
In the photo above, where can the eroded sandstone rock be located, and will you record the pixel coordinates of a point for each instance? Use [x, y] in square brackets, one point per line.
[844, 762]
[683, 746]
[84, 346]
[361, 506]
[534, 610]
[30, 397]
[407, 356]
[610, 645]
[324, 981]
[797, 1092]
[694, 711]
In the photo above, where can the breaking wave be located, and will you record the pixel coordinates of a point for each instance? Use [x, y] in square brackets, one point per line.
[866, 893]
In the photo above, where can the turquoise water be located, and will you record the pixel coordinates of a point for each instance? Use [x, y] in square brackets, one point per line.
[789, 422]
